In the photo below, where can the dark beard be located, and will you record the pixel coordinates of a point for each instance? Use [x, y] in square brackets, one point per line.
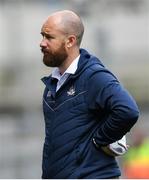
[55, 59]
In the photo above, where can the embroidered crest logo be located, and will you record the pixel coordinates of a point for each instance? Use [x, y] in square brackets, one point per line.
[71, 91]
[49, 94]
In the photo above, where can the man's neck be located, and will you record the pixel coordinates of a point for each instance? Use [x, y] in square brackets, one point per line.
[68, 62]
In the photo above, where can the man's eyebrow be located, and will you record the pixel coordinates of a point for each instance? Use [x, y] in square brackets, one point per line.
[46, 34]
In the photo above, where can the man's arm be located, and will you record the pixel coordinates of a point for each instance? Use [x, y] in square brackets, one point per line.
[107, 94]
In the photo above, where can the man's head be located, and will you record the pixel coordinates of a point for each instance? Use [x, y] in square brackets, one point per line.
[62, 34]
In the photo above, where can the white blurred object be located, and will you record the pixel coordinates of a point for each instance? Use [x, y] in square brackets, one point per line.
[119, 147]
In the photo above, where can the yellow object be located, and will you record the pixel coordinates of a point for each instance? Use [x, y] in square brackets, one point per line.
[136, 163]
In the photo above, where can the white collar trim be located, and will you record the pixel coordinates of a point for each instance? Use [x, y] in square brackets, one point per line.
[70, 70]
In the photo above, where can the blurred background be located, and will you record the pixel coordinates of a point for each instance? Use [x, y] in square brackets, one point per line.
[117, 31]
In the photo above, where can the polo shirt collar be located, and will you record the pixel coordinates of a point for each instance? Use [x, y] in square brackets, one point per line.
[70, 70]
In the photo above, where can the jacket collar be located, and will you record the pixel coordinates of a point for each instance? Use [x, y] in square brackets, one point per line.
[85, 61]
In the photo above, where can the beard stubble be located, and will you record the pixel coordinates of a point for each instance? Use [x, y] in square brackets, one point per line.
[55, 59]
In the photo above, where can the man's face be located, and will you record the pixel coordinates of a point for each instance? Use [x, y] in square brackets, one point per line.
[53, 46]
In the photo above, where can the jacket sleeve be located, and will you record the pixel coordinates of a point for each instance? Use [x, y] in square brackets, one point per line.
[107, 96]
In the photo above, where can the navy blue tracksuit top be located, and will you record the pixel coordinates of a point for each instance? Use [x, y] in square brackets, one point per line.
[90, 104]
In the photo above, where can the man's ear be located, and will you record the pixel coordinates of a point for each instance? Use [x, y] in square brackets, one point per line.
[71, 41]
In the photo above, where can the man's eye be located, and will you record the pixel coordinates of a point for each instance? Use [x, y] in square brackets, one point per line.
[42, 34]
[49, 37]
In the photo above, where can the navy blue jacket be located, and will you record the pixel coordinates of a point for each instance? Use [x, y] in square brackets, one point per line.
[91, 104]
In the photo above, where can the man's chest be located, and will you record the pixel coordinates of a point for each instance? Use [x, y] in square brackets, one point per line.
[68, 96]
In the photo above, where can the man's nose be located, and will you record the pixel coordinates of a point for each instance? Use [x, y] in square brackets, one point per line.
[43, 43]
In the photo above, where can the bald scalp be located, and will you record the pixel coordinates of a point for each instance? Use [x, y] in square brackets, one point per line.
[70, 23]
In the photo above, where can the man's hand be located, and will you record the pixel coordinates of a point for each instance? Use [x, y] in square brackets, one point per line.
[117, 148]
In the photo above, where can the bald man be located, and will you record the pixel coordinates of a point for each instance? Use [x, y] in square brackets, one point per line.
[86, 110]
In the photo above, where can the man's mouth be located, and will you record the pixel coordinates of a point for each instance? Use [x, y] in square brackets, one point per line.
[45, 52]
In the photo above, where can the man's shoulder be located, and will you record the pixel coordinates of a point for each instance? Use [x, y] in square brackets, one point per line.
[95, 65]
[97, 72]
[91, 64]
